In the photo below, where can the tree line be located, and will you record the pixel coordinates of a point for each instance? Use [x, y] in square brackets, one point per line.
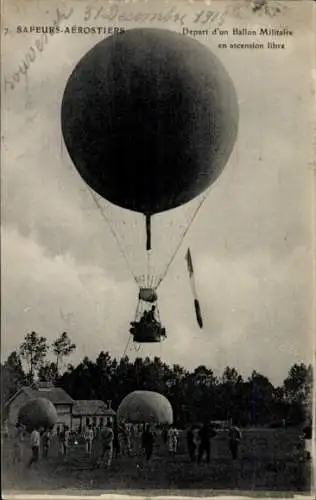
[194, 395]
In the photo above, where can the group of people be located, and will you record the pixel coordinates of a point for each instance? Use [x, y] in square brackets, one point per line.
[128, 440]
[116, 439]
[18, 446]
[39, 439]
[149, 316]
[199, 442]
[122, 439]
[105, 443]
[113, 435]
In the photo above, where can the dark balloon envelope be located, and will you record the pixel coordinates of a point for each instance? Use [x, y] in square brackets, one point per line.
[37, 413]
[149, 118]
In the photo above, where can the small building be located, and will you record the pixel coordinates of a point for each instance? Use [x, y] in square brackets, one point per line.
[91, 412]
[60, 399]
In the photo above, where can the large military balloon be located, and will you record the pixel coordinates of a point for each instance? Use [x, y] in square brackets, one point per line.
[37, 413]
[145, 407]
[149, 118]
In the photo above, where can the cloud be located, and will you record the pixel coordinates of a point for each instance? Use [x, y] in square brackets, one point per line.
[52, 294]
[253, 313]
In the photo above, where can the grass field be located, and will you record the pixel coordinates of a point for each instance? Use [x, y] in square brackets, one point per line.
[269, 461]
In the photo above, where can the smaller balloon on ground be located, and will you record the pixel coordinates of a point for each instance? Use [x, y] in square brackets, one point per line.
[39, 413]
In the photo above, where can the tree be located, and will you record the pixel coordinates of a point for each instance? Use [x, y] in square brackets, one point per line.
[298, 391]
[231, 376]
[33, 350]
[62, 347]
[14, 364]
[298, 383]
[261, 398]
[80, 382]
[199, 390]
[174, 389]
[48, 372]
[12, 375]
[230, 394]
[204, 377]
[103, 375]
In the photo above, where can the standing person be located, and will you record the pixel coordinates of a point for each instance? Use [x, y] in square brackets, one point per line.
[18, 443]
[132, 439]
[107, 437]
[125, 439]
[196, 439]
[234, 440]
[46, 442]
[60, 437]
[116, 441]
[148, 442]
[308, 436]
[191, 443]
[88, 437]
[151, 315]
[136, 439]
[62, 441]
[35, 446]
[173, 440]
[165, 435]
[65, 440]
[205, 435]
[5, 429]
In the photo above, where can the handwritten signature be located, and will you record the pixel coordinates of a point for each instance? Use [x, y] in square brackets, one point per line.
[112, 13]
[34, 50]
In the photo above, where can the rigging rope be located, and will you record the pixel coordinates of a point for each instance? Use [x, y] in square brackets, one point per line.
[149, 280]
[163, 275]
[126, 347]
[113, 233]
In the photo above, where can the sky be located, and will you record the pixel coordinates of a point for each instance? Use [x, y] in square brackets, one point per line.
[251, 242]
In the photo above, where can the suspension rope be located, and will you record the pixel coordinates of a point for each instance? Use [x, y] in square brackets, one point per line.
[148, 268]
[127, 345]
[163, 275]
[149, 279]
[138, 308]
[113, 233]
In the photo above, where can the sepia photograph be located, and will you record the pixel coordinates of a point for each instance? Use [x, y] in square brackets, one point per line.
[157, 248]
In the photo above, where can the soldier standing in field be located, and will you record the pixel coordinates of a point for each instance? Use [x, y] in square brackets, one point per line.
[206, 433]
[148, 442]
[35, 441]
[46, 442]
[116, 441]
[191, 443]
[18, 443]
[107, 437]
[234, 440]
[88, 437]
[173, 436]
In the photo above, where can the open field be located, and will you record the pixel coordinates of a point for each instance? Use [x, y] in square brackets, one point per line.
[269, 460]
